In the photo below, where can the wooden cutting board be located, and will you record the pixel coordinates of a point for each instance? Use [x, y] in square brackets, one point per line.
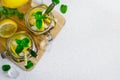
[41, 41]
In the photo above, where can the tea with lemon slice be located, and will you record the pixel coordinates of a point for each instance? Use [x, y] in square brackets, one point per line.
[19, 46]
[37, 22]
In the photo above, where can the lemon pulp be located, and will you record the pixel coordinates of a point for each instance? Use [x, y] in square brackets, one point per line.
[7, 28]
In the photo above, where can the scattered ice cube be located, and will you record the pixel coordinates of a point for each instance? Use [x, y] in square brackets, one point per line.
[13, 73]
[46, 26]
[21, 54]
[34, 28]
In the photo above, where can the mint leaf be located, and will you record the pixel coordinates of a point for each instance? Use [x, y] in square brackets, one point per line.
[21, 16]
[19, 49]
[38, 15]
[8, 12]
[18, 14]
[38, 24]
[18, 41]
[11, 11]
[2, 9]
[21, 44]
[63, 8]
[6, 67]
[25, 42]
[3, 16]
[29, 64]
[56, 1]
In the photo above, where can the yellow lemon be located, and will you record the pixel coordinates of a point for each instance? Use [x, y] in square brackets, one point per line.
[13, 3]
[7, 28]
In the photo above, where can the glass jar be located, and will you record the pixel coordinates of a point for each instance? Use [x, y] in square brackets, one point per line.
[12, 45]
[30, 20]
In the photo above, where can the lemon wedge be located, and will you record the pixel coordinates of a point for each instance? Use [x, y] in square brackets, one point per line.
[13, 3]
[7, 28]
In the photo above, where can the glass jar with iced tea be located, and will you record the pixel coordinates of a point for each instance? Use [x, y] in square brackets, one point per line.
[38, 22]
[19, 46]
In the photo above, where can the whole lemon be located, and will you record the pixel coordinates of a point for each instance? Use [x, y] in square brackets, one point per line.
[13, 3]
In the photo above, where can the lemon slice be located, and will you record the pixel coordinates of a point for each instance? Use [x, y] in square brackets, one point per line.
[13, 3]
[7, 28]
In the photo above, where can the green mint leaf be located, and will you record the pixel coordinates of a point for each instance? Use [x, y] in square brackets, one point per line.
[38, 24]
[19, 49]
[2, 9]
[25, 42]
[56, 1]
[21, 16]
[8, 12]
[63, 8]
[29, 64]
[10, 15]
[5, 11]
[18, 14]
[18, 41]
[11, 11]
[33, 53]
[38, 15]
[6, 67]
[3, 16]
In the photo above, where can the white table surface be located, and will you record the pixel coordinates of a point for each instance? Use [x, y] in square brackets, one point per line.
[87, 48]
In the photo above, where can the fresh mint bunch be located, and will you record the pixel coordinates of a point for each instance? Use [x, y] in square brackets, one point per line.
[9, 12]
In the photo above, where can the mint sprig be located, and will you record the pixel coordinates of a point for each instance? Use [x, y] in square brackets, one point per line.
[38, 24]
[9, 12]
[39, 17]
[21, 45]
[6, 67]
[29, 64]
[63, 8]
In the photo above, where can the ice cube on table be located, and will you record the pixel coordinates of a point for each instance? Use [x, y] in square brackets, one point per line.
[13, 73]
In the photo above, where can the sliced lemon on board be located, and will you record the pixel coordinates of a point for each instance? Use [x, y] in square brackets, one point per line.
[13, 3]
[7, 28]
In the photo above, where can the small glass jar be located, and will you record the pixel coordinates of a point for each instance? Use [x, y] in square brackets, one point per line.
[11, 42]
[30, 20]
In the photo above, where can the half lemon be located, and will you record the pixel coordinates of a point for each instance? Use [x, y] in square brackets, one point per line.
[7, 28]
[13, 3]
